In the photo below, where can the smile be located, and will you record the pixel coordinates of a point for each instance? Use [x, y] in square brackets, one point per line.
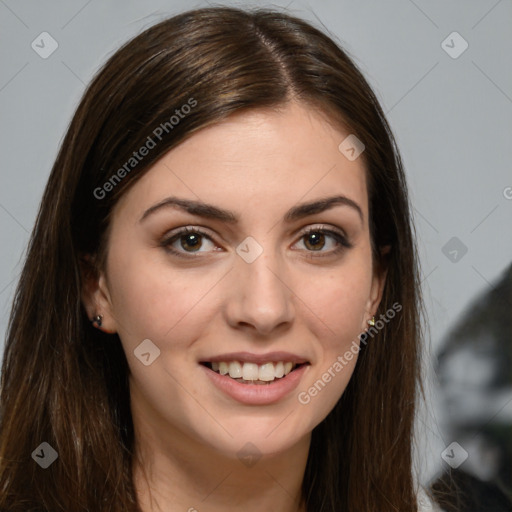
[252, 373]
[255, 379]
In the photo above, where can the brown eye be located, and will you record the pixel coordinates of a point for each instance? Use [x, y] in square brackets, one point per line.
[191, 241]
[325, 242]
[188, 242]
[314, 241]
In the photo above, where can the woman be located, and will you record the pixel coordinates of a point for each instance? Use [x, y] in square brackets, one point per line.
[220, 304]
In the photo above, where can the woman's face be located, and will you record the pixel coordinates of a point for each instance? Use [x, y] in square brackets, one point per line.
[245, 289]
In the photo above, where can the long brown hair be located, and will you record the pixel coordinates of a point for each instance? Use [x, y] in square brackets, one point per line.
[65, 383]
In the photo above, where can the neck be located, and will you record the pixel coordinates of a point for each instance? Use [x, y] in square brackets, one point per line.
[177, 473]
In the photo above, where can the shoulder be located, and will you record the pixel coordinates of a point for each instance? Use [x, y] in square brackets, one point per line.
[425, 502]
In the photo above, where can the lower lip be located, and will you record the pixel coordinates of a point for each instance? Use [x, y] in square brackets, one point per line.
[257, 394]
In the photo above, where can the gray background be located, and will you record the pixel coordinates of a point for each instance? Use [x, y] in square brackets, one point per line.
[451, 117]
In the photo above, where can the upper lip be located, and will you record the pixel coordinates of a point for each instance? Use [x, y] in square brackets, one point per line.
[248, 357]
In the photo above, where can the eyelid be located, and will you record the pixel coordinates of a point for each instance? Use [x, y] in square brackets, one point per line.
[189, 228]
[322, 227]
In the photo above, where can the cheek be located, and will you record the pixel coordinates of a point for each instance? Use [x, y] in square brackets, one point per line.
[340, 304]
[339, 301]
[150, 301]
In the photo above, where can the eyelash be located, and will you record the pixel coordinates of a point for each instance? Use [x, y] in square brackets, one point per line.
[342, 241]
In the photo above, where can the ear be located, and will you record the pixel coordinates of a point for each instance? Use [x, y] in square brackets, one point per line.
[96, 295]
[380, 271]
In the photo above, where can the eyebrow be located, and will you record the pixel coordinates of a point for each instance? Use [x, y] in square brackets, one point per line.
[210, 211]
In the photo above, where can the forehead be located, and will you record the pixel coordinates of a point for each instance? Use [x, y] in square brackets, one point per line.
[264, 158]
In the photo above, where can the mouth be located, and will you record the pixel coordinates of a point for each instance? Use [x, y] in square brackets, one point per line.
[245, 372]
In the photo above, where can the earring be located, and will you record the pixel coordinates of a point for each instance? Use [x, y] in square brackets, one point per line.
[97, 320]
[372, 321]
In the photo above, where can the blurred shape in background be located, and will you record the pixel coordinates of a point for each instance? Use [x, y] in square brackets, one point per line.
[474, 368]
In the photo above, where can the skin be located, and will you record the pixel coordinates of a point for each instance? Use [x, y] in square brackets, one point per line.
[258, 165]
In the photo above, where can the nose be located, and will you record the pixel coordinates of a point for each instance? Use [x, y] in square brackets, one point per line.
[259, 297]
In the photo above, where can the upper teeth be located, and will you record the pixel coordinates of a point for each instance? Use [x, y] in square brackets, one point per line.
[252, 371]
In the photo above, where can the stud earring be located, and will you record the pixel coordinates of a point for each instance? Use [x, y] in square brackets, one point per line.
[97, 320]
[372, 321]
